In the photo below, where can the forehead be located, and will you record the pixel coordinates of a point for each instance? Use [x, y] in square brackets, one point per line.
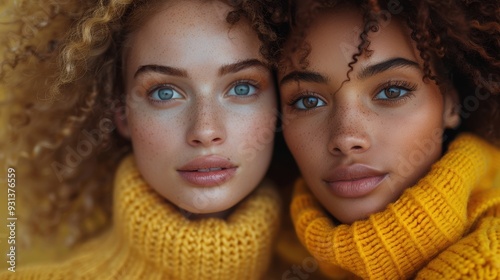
[334, 36]
[187, 13]
[181, 28]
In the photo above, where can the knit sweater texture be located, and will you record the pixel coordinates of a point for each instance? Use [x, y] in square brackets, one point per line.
[151, 239]
[447, 226]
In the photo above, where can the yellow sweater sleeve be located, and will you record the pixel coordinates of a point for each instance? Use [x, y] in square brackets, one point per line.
[476, 256]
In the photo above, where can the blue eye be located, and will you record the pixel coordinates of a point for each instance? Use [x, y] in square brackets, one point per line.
[242, 89]
[308, 102]
[164, 94]
[392, 93]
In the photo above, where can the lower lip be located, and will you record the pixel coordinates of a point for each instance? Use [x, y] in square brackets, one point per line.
[208, 179]
[355, 188]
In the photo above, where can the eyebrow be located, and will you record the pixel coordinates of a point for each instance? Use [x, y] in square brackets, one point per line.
[225, 69]
[397, 62]
[241, 65]
[315, 77]
[305, 76]
[167, 70]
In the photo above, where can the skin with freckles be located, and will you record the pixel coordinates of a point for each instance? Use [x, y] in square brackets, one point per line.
[200, 106]
[360, 145]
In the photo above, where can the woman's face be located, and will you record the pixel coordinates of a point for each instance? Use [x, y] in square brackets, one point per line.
[360, 145]
[200, 106]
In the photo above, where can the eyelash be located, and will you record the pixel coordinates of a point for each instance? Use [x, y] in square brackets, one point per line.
[152, 89]
[408, 86]
[242, 82]
[295, 99]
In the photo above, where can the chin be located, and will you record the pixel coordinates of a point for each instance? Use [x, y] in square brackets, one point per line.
[363, 212]
[206, 207]
[209, 212]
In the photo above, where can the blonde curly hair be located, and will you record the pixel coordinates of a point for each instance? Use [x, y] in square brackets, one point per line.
[61, 71]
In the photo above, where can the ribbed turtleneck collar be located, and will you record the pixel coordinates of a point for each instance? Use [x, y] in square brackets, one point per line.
[238, 247]
[397, 242]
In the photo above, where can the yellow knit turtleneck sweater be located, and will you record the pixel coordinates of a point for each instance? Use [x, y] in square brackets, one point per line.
[447, 226]
[151, 239]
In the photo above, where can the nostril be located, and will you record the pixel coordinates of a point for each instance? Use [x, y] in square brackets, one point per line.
[347, 144]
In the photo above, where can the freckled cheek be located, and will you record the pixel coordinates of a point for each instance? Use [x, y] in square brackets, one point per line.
[152, 134]
[259, 127]
[414, 119]
[424, 128]
[414, 142]
[254, 119]
[306, 141]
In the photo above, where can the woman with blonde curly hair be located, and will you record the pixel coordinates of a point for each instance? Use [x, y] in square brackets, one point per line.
[392, 113]
[168, 106]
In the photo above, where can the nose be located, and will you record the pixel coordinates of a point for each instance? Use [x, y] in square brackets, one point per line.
[348, 132]
[206, 126]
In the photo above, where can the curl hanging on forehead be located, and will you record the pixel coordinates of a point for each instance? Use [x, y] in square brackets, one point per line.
[459, 39]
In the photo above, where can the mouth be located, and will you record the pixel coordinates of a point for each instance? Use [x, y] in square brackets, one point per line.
[354, 181]
[208, 171]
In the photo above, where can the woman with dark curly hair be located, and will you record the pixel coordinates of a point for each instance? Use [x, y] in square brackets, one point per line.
[179, 98]
[391, 110]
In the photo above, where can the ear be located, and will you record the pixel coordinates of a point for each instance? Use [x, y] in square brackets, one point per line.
[121, 121]
[451, 113]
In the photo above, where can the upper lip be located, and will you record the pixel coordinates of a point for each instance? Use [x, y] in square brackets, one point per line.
[352, 173]
[207, 162]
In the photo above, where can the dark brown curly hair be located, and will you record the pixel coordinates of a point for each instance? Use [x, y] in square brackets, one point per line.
[60, 71]
[459, 38]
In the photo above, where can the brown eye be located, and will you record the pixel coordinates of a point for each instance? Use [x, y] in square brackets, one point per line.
[308, 102]
[392, 92]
